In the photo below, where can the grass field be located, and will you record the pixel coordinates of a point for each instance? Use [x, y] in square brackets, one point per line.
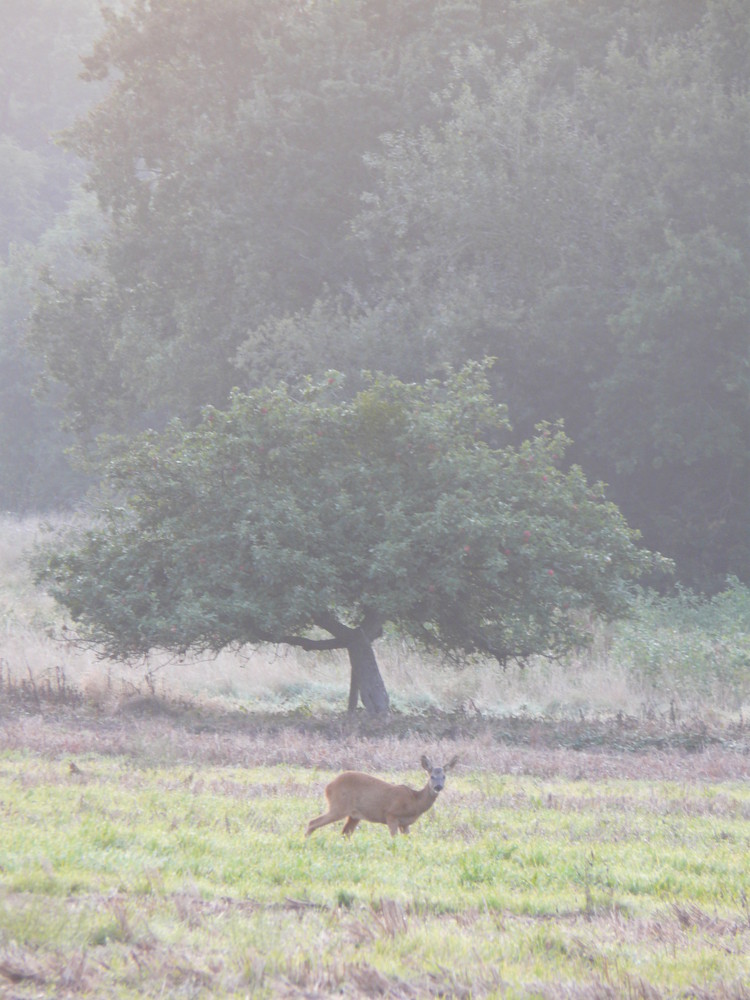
[126, 877]
[594, 841]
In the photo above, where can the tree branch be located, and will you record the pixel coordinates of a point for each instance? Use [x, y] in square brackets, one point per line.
[304, 642]
[331, 624]
[372, 624]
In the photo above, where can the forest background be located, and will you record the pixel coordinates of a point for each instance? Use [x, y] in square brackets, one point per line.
[256, 190]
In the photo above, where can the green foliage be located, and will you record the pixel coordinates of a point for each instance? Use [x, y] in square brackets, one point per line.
[288, 511]
[39, 45]
[39, 66]
[687, 647]
[230, 155]
[562, 186]
[671, 412]
[34, 472]
[590, 236]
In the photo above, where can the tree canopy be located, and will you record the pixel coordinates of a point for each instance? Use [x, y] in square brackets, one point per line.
[563, 186]
[306, 518]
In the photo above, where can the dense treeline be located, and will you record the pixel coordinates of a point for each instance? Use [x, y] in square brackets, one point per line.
[43, 218]
[286, 187]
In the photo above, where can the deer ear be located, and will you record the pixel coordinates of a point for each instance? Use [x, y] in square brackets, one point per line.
[426, 763]
[451, 764]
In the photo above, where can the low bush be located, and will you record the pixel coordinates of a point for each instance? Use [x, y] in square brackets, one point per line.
[688, 648]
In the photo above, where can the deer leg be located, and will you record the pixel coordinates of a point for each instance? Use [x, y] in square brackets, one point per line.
[350, 826]
[324, 820]
[403, 827]
[393, 825]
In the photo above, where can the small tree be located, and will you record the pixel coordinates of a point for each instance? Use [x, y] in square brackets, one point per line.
[308, 519]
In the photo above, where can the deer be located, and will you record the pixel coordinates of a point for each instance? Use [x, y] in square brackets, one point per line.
[357, 796]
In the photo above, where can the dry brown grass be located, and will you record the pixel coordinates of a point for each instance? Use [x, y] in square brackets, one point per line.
[153, 731]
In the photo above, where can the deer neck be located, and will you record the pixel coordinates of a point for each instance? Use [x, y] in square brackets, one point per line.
[426, 796]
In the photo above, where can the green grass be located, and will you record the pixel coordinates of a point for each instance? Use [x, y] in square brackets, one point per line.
[197, 881]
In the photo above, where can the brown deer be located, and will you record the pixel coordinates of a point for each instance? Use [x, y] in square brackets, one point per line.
[356, 796]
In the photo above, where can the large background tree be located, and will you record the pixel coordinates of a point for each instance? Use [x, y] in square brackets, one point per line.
[229, 155]
[593, 235]
[307, 519]
[563, 186]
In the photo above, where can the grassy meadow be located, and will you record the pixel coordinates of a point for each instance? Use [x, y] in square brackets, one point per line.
[126, 878]
[593, 841]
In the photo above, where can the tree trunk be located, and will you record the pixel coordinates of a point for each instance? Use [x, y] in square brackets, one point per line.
[366, 680]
